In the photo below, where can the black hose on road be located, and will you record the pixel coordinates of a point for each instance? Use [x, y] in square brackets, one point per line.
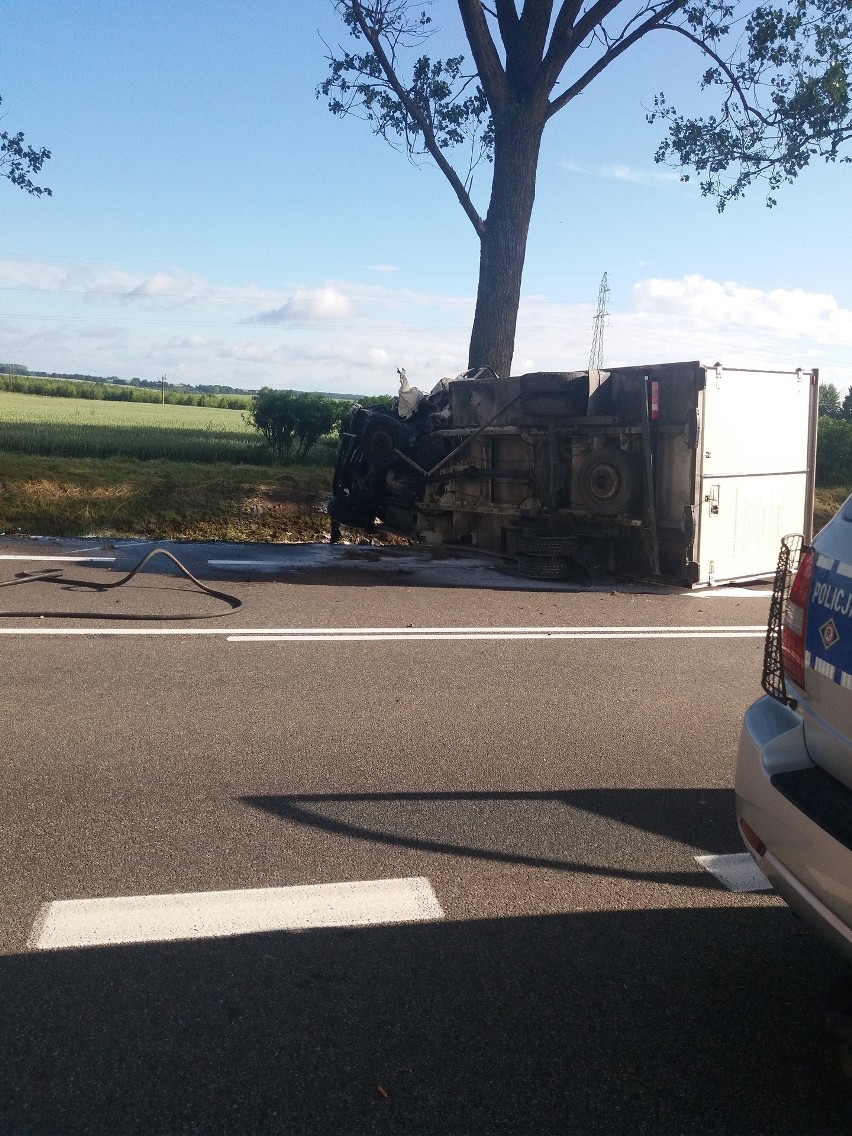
[56, 576]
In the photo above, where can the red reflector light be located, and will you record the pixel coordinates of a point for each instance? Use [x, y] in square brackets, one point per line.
[752, 838]
[795, 621]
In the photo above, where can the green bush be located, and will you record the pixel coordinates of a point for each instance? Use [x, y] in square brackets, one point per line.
[292, 423]
[834, 452]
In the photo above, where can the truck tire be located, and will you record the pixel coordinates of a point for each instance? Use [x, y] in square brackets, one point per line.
[544, 567]
[381, 437]
[531, 544]
[605, 482]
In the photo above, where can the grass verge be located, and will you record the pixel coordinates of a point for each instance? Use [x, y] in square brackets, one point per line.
[827, 500]
[49, 496]
[111, 497]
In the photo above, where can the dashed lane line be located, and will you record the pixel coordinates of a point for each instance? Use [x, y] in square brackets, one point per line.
[728, 594]
[217, 914]
[85, 559]
[247, 564]
[737, 872]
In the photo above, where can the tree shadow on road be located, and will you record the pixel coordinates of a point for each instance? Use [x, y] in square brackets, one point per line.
[639, 834]
[661, 1022]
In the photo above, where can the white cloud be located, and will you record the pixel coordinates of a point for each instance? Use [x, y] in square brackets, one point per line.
[307, 305]
[96, 282]
[351, 336]
[786, 314]
[619, 171]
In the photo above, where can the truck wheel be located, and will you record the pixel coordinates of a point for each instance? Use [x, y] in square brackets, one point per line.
[381, 437]
[538, 545]
[544, 567]
[605, 482]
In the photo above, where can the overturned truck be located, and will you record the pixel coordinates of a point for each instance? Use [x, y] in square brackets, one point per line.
[680, 471]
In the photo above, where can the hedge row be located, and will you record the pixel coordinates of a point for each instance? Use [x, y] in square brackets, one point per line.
[107, 392]
[834, 453]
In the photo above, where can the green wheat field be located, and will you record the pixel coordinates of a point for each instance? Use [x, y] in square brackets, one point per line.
[74, 467]
[77, 428]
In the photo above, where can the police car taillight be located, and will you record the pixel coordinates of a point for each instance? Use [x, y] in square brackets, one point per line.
[796, 620]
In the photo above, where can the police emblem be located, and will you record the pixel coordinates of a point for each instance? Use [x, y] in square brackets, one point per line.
[829, 634]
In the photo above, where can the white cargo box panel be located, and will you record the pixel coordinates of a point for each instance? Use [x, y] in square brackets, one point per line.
[755, 469]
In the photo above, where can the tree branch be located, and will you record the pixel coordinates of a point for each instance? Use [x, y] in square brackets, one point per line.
[524, 40]
[612, 53]
[488, 65]
[596, 16]
[507, 19]
[419, 117]
[723, 66]
[535, 19]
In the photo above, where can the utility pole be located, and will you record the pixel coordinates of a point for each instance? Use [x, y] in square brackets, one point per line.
[163, 389]
[596, 355]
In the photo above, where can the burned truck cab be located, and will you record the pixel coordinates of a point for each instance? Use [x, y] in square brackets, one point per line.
[575, 473]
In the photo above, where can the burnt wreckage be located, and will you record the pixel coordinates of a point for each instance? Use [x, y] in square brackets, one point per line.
[571, 473]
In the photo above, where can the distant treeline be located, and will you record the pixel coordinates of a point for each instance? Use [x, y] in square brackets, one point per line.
[119, 391]
[114, 380]
[131, 390]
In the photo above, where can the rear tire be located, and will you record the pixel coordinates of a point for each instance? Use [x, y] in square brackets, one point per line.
[605, 482]
[544, 567]
[538, 545]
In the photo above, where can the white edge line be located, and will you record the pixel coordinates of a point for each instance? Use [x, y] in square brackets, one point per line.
[735, 871]
[371, 632]
[99, 559]
[401, 636]
[218, 914]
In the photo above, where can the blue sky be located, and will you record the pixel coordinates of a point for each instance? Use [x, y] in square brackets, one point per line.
[211, 220]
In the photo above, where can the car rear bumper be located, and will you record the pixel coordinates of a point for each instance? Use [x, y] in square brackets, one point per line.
[800, 815]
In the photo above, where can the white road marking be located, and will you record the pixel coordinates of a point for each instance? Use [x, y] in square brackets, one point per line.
[251, 634]
[215, 914]
[422, 636]
[87, 559]
[246, 563]
[737, 872]
[728, 594]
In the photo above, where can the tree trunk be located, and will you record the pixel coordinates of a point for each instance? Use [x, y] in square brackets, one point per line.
[517, 141]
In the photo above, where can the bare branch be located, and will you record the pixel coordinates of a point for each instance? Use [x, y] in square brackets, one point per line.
[418, 115]
[617, 49]
[562, 41]
[491, 73]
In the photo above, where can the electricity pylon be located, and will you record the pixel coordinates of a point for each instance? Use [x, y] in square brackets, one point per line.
[596, 356]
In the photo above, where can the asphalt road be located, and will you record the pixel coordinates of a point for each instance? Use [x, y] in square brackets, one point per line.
[587, 976]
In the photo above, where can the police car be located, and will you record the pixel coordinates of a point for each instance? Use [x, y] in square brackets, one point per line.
[794, 765]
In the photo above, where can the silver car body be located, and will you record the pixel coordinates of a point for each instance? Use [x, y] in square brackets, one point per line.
[794, 766]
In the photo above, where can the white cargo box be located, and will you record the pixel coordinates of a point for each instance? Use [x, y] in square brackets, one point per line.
[755, 464]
